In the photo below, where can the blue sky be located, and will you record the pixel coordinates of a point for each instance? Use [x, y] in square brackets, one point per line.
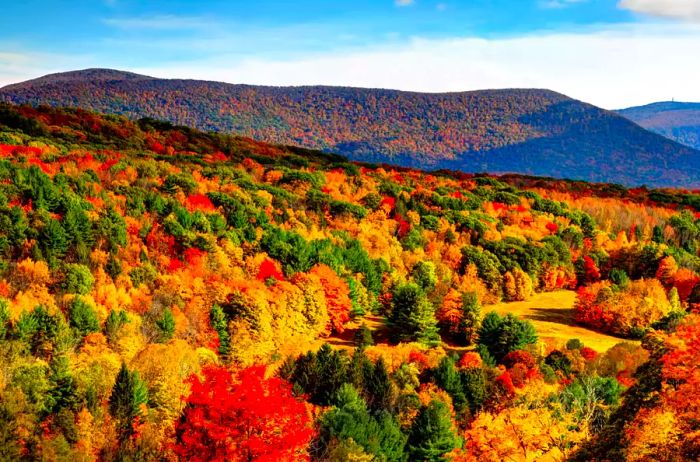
[609, 52]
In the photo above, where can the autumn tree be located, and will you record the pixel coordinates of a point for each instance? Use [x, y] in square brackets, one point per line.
[248, 417]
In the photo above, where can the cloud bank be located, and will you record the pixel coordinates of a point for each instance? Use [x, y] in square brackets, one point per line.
[688, 10]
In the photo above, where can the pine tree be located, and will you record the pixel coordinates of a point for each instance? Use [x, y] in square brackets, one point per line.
[166, 325]
[447, 378]
[471, 317]
[128, 395]
[413, 316]
[432, 433]
[363, 337]
[83, 318]
[379, 388]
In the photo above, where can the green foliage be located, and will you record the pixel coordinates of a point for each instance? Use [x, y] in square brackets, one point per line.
[424, 275]
[83, 317]
[78, 279]
[350, 419]
[412, 316]
[501, 335]
[128, 396]
[432, 433]
[166, 325]
[114, 322]
[471, 318]
[363, 337]
[219, 322]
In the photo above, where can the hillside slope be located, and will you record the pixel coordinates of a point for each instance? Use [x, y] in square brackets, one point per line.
[536, 132]
[677, 121]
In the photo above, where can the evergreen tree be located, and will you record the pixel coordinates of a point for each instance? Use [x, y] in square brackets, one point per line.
[78, 280]
[473, 382]
[166, 325]
[447, 377]
[63, 393]
[363, 337]
[83, 318]
[219, 322]
[501, 335]
[471, 317]
[128, 395]
[332, 373]
[413, 316]
[432, 434]
[115, 320]
[380, 394]
[351, 420]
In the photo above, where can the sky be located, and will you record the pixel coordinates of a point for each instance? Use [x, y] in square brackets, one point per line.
[612, 53]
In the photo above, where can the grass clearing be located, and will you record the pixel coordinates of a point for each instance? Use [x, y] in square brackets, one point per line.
[552, 314]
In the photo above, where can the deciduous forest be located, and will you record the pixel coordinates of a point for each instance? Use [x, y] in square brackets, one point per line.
[168, 294]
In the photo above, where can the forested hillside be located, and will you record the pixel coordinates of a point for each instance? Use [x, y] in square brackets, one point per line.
[168, 294]
[526, 131]
[674, 120]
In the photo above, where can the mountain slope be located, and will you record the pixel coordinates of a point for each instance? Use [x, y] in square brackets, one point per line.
[677, 121]
[535, 132]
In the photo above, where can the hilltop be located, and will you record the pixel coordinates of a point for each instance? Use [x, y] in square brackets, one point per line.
[527, 131]
[675, 120]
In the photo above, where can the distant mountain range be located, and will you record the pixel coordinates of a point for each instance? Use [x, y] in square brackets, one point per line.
[677, 121]
[535, 132]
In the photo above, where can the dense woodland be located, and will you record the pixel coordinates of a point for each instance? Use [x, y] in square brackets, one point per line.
[168, 294]
[526, 131]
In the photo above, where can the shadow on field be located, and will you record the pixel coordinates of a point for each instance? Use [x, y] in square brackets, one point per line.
[559, 315]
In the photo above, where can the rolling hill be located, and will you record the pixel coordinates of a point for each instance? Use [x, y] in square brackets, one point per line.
[527, 131]
[677, 121]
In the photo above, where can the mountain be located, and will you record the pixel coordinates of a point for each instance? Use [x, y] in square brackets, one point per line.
[527, 131]
[677, 121]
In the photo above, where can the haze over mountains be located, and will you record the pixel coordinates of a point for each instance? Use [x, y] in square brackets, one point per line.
[675, 120]
[527, 131]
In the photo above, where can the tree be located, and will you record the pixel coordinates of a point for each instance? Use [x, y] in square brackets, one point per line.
[363, 337]
[471, 317]
[166, 325]
[413, 316]
[78, 279]
[129, 396]
[248, 418]
[432, 433]
[83, 317]
[424, 275]
[501, 335]
[350, 420]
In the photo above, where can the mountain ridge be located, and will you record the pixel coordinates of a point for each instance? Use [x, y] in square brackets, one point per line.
[528, 131]
[679, 121]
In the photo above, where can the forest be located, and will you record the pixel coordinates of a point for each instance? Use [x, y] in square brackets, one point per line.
[169, 294]
[526, 131]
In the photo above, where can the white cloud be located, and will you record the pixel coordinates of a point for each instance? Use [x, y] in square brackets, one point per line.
[403, 2]
[678, 9]
[611, 68]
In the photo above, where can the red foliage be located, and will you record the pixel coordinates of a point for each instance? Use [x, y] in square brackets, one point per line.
[199, 202]
[552, 227]
[590, 270]
[505, 382]
[337, 294]
[419, 359]
[588, 353]
[268, 269]
[388, 201]
[469, 360]
[194, 256]
[249, 419]
[174, 265]
[519, 357]
[403, 226]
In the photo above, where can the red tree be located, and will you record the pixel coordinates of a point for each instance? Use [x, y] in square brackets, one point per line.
[248, 419]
